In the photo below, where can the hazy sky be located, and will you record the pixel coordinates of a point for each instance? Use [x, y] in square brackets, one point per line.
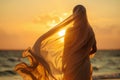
[23, 21]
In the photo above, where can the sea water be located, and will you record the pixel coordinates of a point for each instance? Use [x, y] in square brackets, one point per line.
[104, 62]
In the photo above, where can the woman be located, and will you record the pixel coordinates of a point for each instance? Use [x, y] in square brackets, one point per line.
[79, 44]
[50, 58]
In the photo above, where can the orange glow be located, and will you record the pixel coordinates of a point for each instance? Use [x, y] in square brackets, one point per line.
[52, 23]
[24, 23]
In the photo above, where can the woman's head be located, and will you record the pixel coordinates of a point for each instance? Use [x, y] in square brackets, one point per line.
[79, 11]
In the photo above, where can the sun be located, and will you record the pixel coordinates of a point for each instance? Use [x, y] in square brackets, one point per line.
[61, 33]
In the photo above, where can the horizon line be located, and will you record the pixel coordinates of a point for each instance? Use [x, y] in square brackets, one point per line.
[25, 49]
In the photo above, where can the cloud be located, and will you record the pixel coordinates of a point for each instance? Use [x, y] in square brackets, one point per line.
[46, 20]
[50, 20]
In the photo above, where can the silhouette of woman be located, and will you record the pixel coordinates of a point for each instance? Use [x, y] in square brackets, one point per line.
[51, 59]
[79, 44]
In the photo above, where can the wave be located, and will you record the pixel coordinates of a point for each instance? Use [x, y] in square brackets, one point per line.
[7, 73]
[107, 76]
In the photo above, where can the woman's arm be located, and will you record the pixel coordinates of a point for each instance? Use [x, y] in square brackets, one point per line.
[94, 48]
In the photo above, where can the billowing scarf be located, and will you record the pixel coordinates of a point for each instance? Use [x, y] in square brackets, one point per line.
[56, 57]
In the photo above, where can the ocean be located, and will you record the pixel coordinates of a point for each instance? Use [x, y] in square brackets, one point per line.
[105, 62]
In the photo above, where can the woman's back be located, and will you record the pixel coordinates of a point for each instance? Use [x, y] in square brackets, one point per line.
[78, 43]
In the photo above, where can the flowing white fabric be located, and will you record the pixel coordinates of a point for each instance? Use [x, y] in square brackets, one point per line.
[45, 56]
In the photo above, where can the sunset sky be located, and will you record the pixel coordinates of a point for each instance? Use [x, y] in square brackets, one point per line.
[23, 21]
